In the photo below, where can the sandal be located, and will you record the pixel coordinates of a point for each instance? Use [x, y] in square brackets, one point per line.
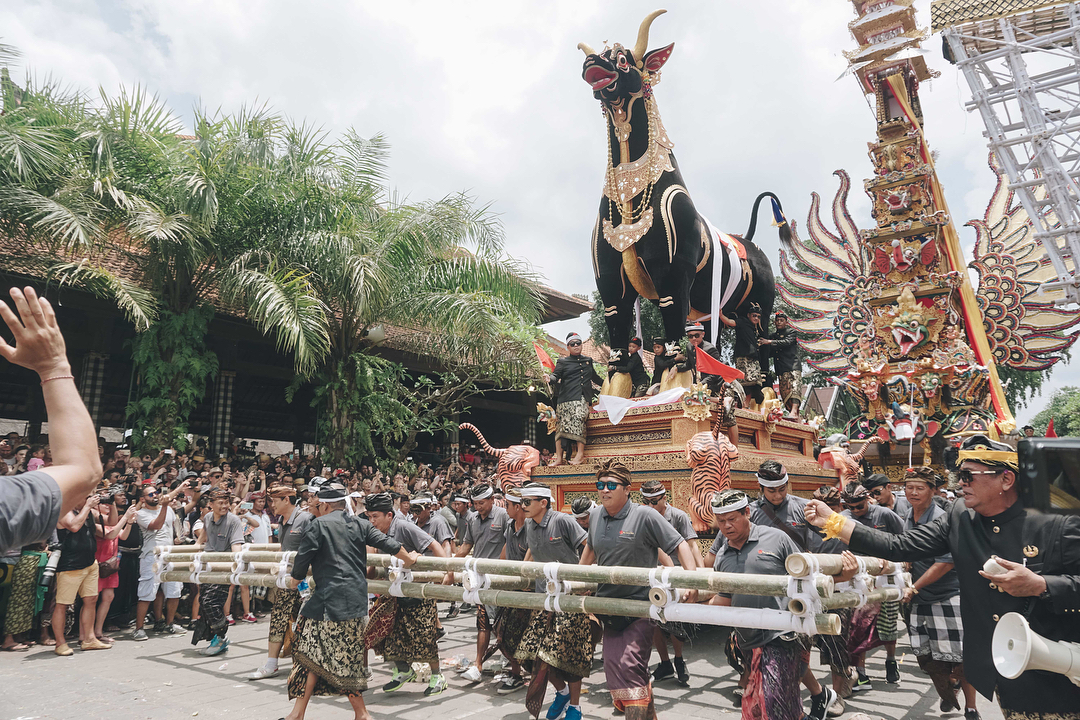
[17, 647]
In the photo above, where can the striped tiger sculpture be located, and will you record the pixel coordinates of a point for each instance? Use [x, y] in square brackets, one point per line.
[709, 455]
[515, 462]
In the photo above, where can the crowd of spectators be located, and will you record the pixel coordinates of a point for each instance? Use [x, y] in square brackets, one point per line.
[104, 581]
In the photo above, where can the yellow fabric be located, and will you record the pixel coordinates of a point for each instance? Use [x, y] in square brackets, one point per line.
[834, 526]
[968, 303]
[998, 456]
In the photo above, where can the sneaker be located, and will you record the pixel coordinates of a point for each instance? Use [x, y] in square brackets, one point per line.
[681, 672]
[512, 683]
[452, 612]
[249, 618]
[216, 647]
[262, 673]
[573, 713]
[436, 685]
[663, 671]
[140, 635]
[174, 629]
[462, 669]
[861, 683]
[837, 709]
[972, 714]
[892, 672]
[472, 674]
[159, 626]
[229, 619]
[557, 706]
[399, 679]
[819, 704]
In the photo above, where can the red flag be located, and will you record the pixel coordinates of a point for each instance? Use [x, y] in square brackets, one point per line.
[1050, 429]
[706, 363]
[544, 358]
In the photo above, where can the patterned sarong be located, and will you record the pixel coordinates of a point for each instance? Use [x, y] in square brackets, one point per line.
[751, 370]
[572, 416]
[773, 690]
[415, 636]
[887, 629]
[334, 652]
[833, 648]
[21, 600]
[626, 663]
[936, 630]
[562, 640]
[283, 614]
[510, 628]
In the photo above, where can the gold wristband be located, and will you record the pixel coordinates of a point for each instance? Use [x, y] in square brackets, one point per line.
[834, 526]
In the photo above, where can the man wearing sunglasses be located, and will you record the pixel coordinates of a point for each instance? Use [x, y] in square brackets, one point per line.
[513, 621]
[559, 645]
[881, 494]
[572, 387]
[695, 334]
[654, 495]
[856, 500]
[624, 533]
[1040, 554]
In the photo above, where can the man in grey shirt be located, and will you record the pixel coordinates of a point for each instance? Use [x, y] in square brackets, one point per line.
[294, 523]
[777, 508]
[31, 504]
[484, 536]
[626, 534]
[223, 532]
[750, 548]
[654, 495]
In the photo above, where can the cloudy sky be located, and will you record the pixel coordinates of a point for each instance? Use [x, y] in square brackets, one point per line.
[487, 97]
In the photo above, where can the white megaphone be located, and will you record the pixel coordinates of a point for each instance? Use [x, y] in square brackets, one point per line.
[1016, 649]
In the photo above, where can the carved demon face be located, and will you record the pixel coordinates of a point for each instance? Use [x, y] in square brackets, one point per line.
[930, 384]
[870, 386]
[909, 332]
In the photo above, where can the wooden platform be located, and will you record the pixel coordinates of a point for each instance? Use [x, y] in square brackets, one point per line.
[651, 441]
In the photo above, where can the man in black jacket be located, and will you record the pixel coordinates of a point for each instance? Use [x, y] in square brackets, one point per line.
[746, 351]
[783, 346]
[632, 364]
[1040, 555]
[695, 333]
[572, 387]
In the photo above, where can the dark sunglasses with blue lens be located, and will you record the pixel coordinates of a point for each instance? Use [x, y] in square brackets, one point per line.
[611, 485]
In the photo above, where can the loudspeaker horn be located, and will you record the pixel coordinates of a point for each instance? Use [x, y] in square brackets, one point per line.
[1017, 649]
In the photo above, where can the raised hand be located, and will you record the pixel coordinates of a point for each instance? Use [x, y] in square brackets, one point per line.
[39, 345]
[817, 513]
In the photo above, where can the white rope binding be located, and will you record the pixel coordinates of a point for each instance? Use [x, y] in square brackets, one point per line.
[398, 574]
[805, 590]
[473, 582]
[662, 584]
[555, 587]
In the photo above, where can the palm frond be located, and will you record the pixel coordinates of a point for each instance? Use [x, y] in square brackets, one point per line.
[138, 304]
[8, 54]
[363, 160]
[279, 300]
[28, 152]
[70, 221]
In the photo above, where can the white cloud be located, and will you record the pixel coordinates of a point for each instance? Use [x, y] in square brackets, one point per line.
[487, 96]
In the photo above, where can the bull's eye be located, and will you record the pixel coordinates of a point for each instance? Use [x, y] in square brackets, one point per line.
[622, 63]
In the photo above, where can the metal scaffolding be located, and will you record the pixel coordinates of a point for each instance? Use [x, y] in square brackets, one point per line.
[1023, 70]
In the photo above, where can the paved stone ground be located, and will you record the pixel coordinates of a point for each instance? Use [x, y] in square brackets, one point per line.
[165, 679]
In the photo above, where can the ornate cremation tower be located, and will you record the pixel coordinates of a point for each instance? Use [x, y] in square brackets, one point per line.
[906, 331]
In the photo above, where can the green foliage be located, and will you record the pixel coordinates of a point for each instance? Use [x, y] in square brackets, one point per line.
[652, 323]
[1064, 408]
[1022, 385]
[173, 368]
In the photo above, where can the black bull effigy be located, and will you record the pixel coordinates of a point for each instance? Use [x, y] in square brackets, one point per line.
[649, 239]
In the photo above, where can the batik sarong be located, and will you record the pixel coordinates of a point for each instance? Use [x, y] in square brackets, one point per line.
[864, 633]
[334, 652]
[626, 663]
[283, 614]
[510, 628]
[561, 640]
[790, 386]
[572, 416]
[21, 600]
[936, 630]
[773, 690]
[415, 635]
[751, 370]
[212, 607]
[887, 629]
[833, 648]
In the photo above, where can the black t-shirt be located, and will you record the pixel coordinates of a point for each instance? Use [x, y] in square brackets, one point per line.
[77, 548]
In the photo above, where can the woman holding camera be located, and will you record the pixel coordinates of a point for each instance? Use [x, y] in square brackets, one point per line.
[108, 556]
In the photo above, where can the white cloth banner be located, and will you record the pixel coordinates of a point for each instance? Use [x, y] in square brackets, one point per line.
[616, 407]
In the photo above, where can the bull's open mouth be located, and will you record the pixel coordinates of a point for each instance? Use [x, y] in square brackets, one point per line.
[599, 78]
[907, 339]
[826, 461]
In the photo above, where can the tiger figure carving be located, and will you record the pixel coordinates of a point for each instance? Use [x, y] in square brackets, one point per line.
[515, 462]
[709, 455]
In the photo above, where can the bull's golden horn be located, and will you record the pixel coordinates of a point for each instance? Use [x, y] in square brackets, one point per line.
[642, 44]
[585, 48]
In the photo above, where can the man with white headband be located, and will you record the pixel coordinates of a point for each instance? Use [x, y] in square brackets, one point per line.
[460, 506]
[654, 495]
[485, 537]
[559, 645]
[422, 512]
[512, 622]
[581, 508]
[745, 547]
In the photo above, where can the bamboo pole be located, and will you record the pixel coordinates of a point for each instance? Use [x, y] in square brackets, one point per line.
[735, 583]
[246, 556]
[850, 599]
[705, 614]
[219, 578]
[798, 564]
[187, 549]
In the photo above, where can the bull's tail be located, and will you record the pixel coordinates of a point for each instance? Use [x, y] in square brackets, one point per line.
[778, 218]
[497, 452]
[718, 420]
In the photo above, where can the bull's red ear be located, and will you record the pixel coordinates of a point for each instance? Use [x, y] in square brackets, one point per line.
[655, 59]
